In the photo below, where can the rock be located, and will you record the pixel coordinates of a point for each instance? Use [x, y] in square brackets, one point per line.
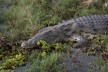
[79, 62]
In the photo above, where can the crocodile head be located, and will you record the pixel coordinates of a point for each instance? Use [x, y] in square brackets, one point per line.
[48, 34]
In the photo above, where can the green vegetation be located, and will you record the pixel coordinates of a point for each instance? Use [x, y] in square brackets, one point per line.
[7, 70]
[12, 63]
[47, 64]
[48, 47]
[98, 65]
[21, 19]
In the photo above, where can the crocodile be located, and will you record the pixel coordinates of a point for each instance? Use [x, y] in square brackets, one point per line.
[72, 29]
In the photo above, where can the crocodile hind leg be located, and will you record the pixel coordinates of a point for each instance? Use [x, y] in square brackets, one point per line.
[81, 40]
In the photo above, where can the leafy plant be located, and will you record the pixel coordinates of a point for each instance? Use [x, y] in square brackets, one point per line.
[44, 45]
[3, 70]
[18, 60]
[47, 47]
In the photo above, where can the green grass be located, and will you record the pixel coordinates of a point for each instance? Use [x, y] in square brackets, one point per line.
[99, 65]
[105, 44]
[49, 63]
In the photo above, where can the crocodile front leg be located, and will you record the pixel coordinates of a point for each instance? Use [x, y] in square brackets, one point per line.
[81, 40]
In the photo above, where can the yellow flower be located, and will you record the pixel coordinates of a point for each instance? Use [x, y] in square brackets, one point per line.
[43, 54]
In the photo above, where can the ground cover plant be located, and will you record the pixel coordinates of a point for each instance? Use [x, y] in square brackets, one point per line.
[22, 19]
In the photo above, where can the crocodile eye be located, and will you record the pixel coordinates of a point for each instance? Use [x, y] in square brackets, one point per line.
[47, 32]
[67, 29]
[63, 27]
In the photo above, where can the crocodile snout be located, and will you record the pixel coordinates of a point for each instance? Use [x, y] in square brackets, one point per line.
[25, 44]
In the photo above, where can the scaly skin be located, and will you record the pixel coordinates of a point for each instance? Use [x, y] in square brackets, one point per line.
[74, 28]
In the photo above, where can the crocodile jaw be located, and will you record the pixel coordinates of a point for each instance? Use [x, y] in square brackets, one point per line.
[25, 44]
